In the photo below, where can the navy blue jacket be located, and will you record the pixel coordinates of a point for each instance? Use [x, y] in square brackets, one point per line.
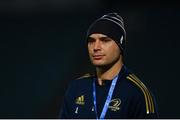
[131, 98]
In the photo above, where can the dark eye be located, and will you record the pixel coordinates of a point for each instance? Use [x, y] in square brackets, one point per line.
[90, 40]
[106, 39]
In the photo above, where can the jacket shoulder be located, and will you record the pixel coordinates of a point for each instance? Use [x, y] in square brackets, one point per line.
[85, 76]
[81, 81]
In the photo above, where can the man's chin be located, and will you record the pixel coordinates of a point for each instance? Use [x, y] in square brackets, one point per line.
[98, 64]
[102, 64]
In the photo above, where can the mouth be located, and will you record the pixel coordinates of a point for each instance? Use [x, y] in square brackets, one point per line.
[97, 57]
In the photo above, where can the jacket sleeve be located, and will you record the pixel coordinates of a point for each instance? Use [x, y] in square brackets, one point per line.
[154, 114]
[144, 106]
[66, 109]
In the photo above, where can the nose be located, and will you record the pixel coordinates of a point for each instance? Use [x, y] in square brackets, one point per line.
[97, 45]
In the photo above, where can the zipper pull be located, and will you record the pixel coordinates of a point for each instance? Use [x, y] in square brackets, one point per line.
[76, 111]
[93, 109]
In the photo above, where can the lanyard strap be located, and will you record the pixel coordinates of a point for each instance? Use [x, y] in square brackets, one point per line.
[108, 99]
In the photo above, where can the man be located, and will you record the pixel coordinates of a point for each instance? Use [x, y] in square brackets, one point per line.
[114, 91]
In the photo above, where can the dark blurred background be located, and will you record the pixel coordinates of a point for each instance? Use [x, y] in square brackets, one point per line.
[43, 48]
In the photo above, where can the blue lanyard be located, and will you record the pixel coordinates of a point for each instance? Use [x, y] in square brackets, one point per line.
[108, 99]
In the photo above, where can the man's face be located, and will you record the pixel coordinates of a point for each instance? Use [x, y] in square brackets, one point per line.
[102, 50]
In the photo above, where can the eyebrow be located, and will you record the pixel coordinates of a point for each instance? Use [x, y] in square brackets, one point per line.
[105, 37]
[91, 39]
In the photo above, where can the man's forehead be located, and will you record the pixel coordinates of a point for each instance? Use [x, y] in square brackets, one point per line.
[99, 35]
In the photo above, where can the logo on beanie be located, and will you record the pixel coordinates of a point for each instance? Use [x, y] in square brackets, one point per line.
[121, 40]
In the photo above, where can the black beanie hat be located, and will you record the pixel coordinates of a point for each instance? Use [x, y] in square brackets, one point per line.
[111, 25]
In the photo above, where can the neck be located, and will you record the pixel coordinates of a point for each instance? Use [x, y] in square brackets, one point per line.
[108, 72]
